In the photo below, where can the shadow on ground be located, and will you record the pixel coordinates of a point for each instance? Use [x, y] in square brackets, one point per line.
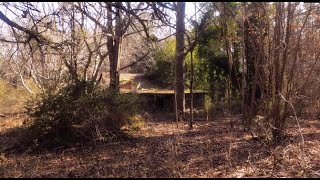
[211, 149]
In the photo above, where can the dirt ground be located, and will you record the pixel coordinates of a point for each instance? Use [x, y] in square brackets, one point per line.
[163, 148]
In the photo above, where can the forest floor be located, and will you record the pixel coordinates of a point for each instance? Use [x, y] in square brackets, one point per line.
[163, 149]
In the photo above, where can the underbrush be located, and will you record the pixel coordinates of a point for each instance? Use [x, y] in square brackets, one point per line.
[66, 118]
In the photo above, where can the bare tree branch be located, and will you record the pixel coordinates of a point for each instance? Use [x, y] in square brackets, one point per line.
[32, 34]
[133, 63]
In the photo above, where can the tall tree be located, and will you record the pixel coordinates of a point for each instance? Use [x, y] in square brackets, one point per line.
[179, 65]
[114, 46]
[254, 37]
[278, 113]
[120, 16]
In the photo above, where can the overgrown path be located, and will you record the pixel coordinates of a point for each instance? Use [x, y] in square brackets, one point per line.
[161, 149]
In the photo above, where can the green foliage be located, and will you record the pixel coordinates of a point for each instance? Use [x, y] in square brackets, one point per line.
[163, 68]
[214, 64]
[58, 119]
[198, 82]
[136, 122]
[207, 103]
[162, 71]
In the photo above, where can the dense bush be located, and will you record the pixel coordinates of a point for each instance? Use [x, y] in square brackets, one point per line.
[64, 117]
[162, 69]
[214, 65]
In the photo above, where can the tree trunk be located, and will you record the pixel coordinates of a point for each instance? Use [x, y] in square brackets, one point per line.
[114, 48]
[277, 130]
[224, 32]
[179, 65]
[191, 92]
[279, 112]
[252, 90]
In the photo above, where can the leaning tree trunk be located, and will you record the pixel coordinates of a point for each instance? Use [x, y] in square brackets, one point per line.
[179, 64]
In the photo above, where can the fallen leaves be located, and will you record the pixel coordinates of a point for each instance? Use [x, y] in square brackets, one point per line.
[163, 149]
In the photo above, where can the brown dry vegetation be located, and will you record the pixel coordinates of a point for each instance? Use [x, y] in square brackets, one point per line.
[161, 149]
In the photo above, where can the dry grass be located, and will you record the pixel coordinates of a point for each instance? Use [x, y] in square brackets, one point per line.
[12, 99]
[161, 149]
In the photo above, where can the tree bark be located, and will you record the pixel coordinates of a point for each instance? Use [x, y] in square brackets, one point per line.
[179, 64]
[114, 48]
[252, 53]
[191, 91]
[279, 113]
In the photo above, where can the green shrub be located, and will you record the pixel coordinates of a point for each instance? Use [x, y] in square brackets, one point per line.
[162, 71]
[162, 68]
[62, 118]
